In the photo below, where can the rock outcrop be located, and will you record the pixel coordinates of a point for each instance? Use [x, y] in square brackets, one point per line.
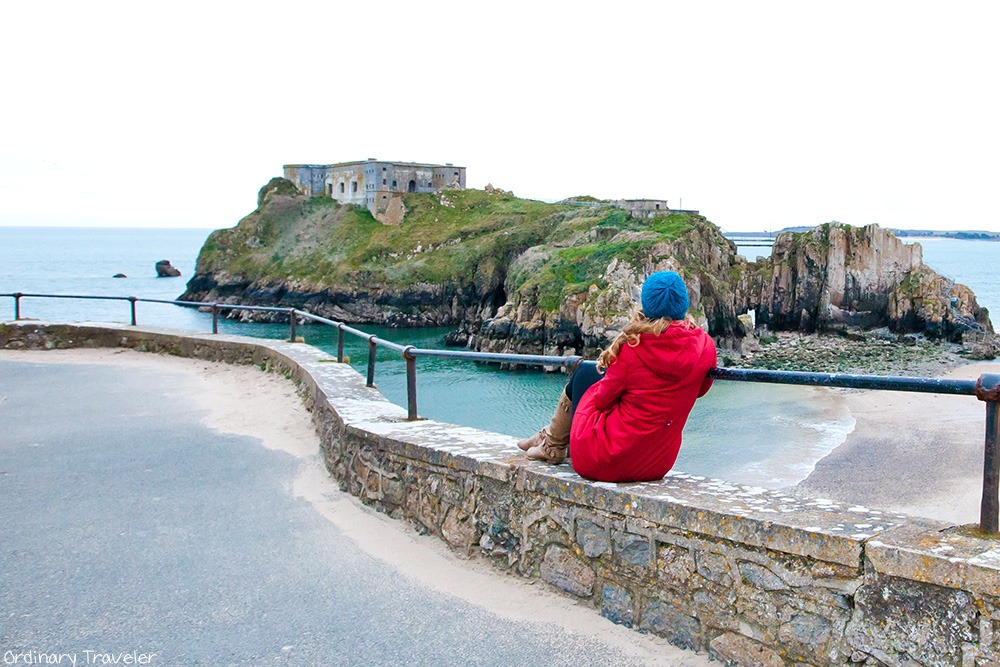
[165, 270]
[837, 276]
[932, 304]
[589, 314]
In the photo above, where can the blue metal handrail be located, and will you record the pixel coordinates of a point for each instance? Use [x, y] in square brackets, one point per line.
[986, 389]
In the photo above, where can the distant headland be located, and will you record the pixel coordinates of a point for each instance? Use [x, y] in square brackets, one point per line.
[962, 234]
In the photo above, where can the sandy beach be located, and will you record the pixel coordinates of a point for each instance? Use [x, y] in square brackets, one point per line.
[920, 454]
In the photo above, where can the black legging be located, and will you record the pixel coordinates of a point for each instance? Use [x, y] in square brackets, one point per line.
[583, 377]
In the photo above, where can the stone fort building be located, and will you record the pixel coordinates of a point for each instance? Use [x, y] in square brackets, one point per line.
[375, 184]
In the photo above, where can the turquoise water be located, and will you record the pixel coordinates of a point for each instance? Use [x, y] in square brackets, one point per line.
[768, 435]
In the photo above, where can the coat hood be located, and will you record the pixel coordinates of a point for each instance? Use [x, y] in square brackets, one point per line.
[671, 354]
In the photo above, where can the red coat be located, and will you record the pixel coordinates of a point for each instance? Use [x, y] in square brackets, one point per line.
[627, 427]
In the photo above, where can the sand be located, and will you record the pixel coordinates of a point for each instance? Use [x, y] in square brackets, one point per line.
[244, 401]
[920, 454]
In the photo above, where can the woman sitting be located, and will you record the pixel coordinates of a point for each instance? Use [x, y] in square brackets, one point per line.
[626, 426]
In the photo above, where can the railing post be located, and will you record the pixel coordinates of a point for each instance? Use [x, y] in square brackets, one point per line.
[988, 390]
[131, 301]
[291, 327]
[340, 344]
[215, 318]
[371, 361]
[572, 363]
[411, 384]
[17, 306]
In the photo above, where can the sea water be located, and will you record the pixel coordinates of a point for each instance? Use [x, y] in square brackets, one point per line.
[766, 435]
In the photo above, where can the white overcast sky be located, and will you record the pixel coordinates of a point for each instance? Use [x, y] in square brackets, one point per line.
[760, 114]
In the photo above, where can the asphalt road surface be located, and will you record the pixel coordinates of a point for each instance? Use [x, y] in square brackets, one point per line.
[130, 528]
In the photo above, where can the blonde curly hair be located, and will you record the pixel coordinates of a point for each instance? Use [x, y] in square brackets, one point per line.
[639, 325]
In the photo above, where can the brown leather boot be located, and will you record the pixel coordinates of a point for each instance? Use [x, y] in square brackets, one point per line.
[563, 406]
[551, 444]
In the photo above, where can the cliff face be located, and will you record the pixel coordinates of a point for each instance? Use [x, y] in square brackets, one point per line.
[515, 275]
[836, 276]
[588, 313]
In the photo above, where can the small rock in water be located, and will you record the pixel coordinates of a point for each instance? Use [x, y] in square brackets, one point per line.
[165, 270]
[120, 275]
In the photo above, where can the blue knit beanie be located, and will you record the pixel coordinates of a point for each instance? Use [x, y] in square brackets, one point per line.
[664, 295]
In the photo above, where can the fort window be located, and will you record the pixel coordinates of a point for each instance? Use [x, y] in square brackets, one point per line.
[354, 187]
[329, 189]
[341, 188]
[394, 184]
[383, 181]
[412, 187]
[657, 207]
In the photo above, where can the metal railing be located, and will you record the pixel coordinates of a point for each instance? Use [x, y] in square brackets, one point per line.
[986, 388]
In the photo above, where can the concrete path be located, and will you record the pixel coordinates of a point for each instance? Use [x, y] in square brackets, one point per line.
[130, 526]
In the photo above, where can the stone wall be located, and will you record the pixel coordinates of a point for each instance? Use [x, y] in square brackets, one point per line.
[309, 178]
[374, 184]
[754, 576]
[644, 208]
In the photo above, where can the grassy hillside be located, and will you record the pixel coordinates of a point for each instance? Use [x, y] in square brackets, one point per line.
[460, 236]
[319, 241]
[562, 271]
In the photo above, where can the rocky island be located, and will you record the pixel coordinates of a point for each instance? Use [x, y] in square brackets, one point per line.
[517, 275]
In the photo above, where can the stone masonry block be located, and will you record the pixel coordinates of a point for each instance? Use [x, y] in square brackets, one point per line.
[712, 566]
[373, 485]
[928, 623]
[452, 491]
[393, 491]
[808, 634]
[733, 649]
[429, 511]
[542, 527]
[763, 610]
[563, 570]
[458, 530]
[616, 605]
[632, 549]
[761, 577]
[593, 539]
[673, 623]
[674, 566]
[926, 551]
[493, 517]
[715, 608]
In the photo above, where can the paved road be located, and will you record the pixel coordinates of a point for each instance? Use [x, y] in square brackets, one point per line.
[127, 525]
